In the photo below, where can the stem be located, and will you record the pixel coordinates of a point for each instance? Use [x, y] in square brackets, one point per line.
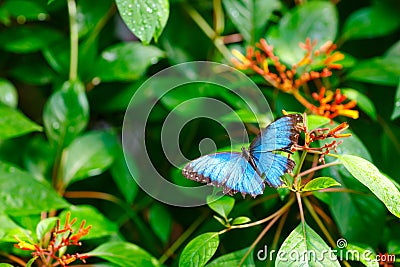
[182, 239]
[73, 25]
[13, 258]
[319, 168]
[219, 20]
[319, 222]
[296, 175]
[271, 223]
[303, 221]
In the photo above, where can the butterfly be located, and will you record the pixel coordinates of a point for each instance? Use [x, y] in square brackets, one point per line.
[248, 171]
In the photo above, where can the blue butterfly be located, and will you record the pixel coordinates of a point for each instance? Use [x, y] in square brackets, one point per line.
[248, 171]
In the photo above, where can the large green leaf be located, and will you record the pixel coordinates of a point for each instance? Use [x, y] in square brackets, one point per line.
[126, 61]
[38, 157]
[124, 254]
[316, 20]
[396, 109]
[28, 38]
[367, 256]
[369, 175]
[8, 93]
[13, 123]
[9, 229]
[233, 259]
[384, 71]
[145, 18]
[251, 16]
[199, 250]
[101, 226]
[371, 22]
[311, 251]
[20, 193]
[66, 113]
[88, 155]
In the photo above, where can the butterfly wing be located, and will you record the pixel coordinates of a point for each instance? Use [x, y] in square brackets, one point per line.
[280, 135]
[229, 170]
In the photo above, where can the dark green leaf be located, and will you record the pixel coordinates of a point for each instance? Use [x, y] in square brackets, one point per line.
[31, 261]
[363, 23]
[101, 226]
[5, 265]
[221, 205]
[20, 193]
[89, 155]
[145, 18]
[251, 17]
[8, 93]
[160, 222]
[384, 71]
[124, 254]
[44, 227]
[316, 121]
[25, 10]
[38, 157]
[295, 244]
[396, 110]
[199, 250]
[393, 51]
[66, 113]
[13, 123]
[316, 20]
[363, 102]
[89, 13]
[123, 177]
[9, 229]
[126, 61]
[233, 259]
[365, 172]
[241, 220]
[320, 183]
[27, 39]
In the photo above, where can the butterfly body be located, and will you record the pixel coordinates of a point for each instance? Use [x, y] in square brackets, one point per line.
[248, 171]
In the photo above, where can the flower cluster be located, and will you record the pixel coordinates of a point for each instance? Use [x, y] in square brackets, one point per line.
[322, 59]
[61, 238]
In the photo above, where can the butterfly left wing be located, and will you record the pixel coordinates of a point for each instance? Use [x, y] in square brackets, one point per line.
[229, 170]
[280, 135]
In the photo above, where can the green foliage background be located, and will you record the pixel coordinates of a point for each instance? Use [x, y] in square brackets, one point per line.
[62, 105]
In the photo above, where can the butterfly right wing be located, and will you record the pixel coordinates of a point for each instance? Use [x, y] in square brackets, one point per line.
[229, 170]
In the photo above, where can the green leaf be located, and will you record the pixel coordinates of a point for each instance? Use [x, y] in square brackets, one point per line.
[233, 259]
[88, 155]
[20, 193]
[101, 226]
[5, 265]
[317, 20]
[363, 102]
[31, 261]
[66, 113]
[145, 18]
[221, 205]
[396, 109]
[363, 23]
[316, 121]
[9, 229]
[320, 183]
[13, 123]
[251, 16]
[366, 172]
[41, 74]
[126, 61]
[25, 10]
[161, 222]
[38, 157]
[8, 93]
[124, 254]
[313, 247]
[393, 51]
[382, 71]
[89, 14]
[123, 177]
[28, 39]
[367, 255]
[44, 227]
[199, 250]
[241, 220]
